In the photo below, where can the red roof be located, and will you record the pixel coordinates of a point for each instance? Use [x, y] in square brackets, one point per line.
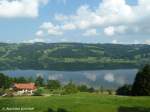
[28, 86]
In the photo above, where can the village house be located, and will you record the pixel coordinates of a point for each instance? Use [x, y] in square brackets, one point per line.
[24, 88]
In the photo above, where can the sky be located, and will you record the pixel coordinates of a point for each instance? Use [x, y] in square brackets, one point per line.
[85, 21]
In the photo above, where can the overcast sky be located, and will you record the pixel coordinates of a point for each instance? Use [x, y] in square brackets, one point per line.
[86, 21]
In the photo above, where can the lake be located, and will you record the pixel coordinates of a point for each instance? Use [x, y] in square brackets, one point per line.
[97, 78]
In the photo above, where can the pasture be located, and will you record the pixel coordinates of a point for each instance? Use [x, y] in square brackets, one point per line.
[80, 102]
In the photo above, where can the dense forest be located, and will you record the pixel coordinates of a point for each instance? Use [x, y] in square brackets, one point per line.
[72, 56]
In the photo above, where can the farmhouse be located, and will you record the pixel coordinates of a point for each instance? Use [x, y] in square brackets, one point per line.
[24, 88]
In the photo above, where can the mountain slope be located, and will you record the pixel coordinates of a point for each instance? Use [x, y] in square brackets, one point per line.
[72, 56]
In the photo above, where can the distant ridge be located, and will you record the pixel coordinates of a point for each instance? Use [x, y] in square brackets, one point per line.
[72, 56]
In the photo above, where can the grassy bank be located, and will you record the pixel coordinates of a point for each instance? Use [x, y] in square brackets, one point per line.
[81, 102]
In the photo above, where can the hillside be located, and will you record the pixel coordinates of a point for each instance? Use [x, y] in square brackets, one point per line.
[72, 56]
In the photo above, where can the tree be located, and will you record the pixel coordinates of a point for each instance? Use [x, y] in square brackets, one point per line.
[124, 90]
[39, 81]
[30, 79]
[83, 88]
[20, 80]
[5, 81]
[141, 85]
[91, 90]
[53, 84]
[70, 88]
[101, 89]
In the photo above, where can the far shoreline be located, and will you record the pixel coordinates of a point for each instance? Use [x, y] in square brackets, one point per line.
[68, 70]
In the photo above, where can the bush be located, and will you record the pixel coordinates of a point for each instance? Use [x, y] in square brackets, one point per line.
[110, 92]
[83, 88]
[70, 88]
[53, 84]
[124, 90]
[91, 90]
[141, 85]
[38, 92]
[1, 91]
[9, 93]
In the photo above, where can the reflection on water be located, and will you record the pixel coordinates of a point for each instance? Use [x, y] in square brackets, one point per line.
[97, 78]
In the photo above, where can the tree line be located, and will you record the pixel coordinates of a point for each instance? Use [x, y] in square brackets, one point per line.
[52, 85]
[140, 87]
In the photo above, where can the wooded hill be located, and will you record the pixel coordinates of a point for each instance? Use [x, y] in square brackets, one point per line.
[72, 56]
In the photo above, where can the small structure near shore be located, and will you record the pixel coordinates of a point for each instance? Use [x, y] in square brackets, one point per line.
[24, 88]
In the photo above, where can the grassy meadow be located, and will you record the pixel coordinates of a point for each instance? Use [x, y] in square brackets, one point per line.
[80, 102]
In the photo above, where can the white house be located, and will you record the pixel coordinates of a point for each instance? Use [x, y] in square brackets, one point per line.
[24, 88]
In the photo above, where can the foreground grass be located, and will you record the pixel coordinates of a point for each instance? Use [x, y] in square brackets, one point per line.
[81, 102]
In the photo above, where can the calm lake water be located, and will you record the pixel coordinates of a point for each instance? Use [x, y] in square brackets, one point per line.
[97, 78]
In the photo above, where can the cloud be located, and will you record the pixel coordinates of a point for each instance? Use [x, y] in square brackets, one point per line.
[64, 40]
[109, 31]
[68, 26]
[60, 17]
[108, 12]
[90, 32]
[115, 11]
[51, 29]
[110, 18]
[136, 42]
[91, 77]
[35, 40]
[115, 42]
[112, 30]
[115, 79]
[109, 77]
[47, 25]
[54, 32]
[85, 18]
[20, 8]
[55, 77]
[39, 75]
[147, 42]
[39, 33]
[121, 80]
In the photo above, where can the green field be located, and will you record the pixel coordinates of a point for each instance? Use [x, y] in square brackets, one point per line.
[81, 102]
